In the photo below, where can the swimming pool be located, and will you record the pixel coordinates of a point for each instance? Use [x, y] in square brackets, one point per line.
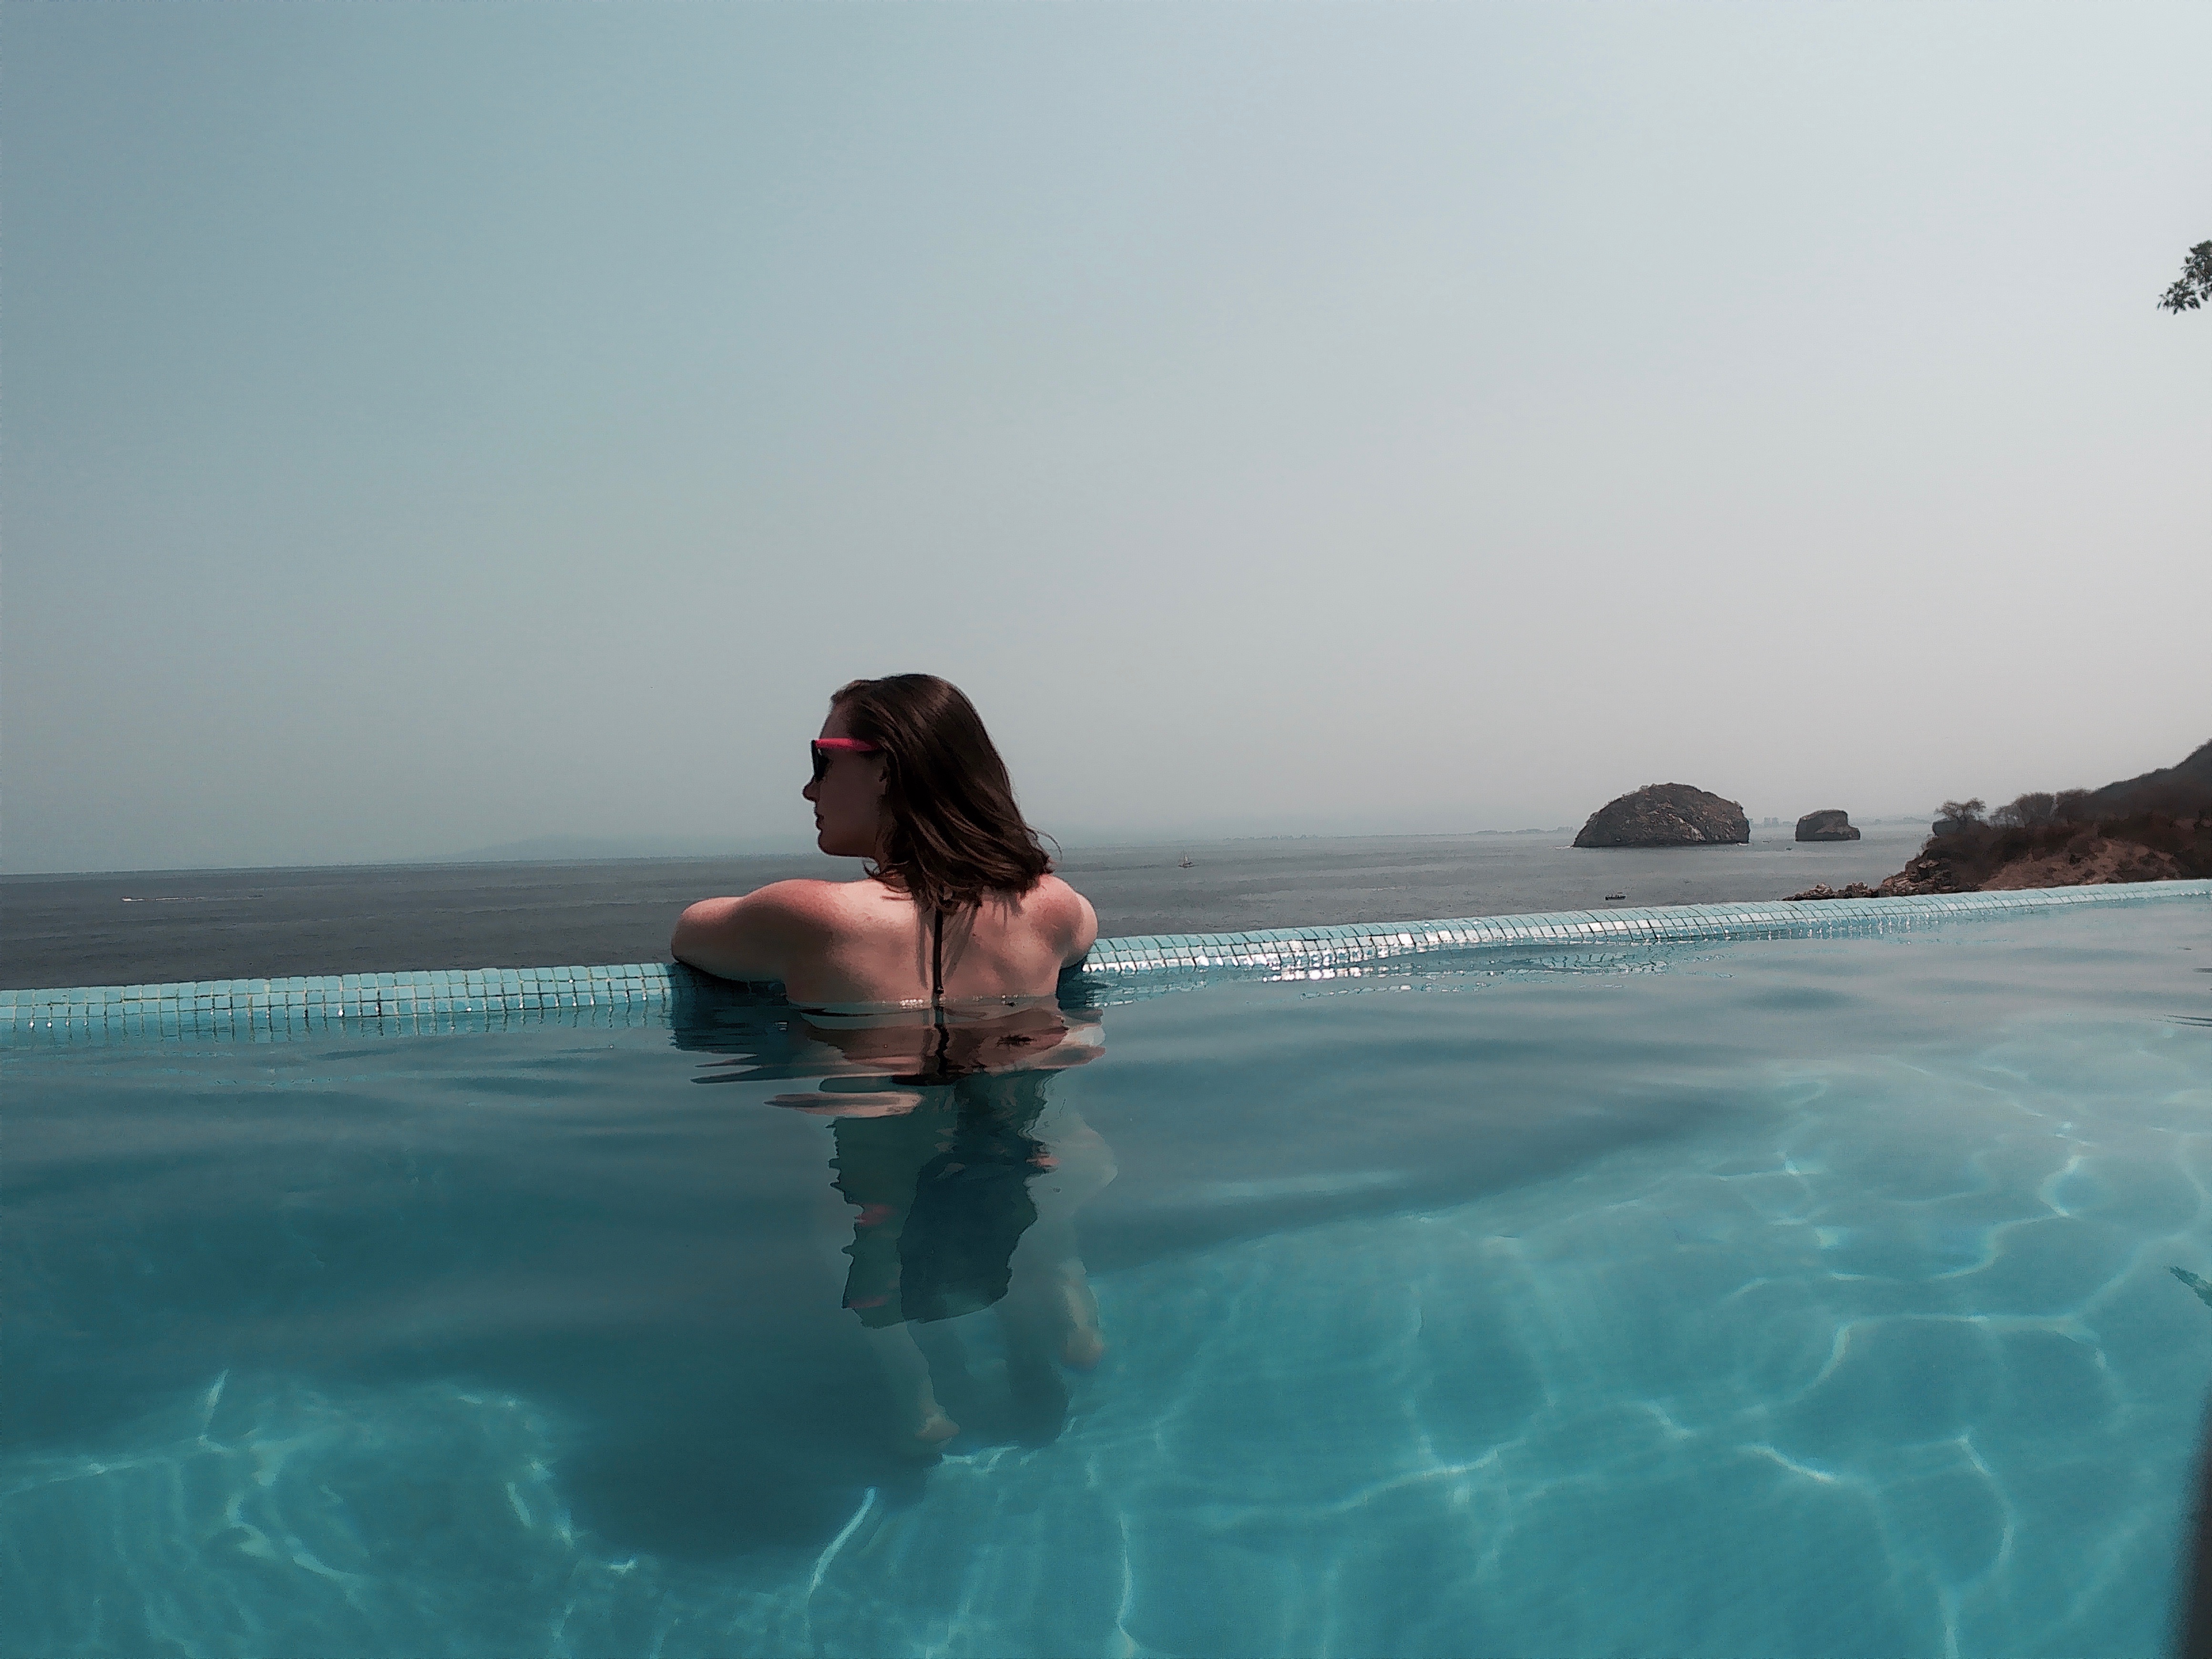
[1581, 1294]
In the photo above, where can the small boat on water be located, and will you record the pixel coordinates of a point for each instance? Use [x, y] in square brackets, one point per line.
[1186, 863]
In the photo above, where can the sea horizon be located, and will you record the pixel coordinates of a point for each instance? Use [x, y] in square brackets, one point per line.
[576, 849]
[148, 926]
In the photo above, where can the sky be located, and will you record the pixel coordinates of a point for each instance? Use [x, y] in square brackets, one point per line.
[427, 428]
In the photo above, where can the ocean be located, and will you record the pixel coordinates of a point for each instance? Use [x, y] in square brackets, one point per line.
[156, 926]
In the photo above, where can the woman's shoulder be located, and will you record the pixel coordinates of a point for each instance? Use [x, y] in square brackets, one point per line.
[756, 935]
[1052, 893]
[805, 896]
[799, 900]
[1056, 906]
[779, 930]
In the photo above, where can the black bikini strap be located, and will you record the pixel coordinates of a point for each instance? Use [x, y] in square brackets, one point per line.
[936, 956]
[937, 991]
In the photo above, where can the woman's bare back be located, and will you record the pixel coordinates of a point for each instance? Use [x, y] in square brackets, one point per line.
[833, 942]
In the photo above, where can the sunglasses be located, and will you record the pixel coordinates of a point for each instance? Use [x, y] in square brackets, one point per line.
[823, 748]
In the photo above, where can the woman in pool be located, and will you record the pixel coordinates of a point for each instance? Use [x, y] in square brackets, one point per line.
[960, 903]
[929, 984]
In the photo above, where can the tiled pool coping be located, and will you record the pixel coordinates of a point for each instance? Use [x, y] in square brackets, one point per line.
[649, 993]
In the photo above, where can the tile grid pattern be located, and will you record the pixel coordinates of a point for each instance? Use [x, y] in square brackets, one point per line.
[643, 994]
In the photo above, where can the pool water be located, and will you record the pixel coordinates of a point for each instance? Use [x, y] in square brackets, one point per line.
[1784, 1297]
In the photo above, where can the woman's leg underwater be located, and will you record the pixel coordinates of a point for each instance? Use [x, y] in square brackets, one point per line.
[1050, 1294]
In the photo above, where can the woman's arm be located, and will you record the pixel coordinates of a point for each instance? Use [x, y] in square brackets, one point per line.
[752, 938]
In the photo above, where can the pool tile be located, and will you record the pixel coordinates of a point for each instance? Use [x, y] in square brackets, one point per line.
[449, 1000]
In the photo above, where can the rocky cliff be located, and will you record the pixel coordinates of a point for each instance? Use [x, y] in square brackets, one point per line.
[1986, 858]
[2182, 791]
[2157, 826]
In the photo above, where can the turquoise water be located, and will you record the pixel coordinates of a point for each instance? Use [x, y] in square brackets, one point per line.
[1791, 1298]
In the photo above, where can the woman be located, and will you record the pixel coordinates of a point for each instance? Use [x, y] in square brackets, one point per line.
[929, 986]
[960, 902]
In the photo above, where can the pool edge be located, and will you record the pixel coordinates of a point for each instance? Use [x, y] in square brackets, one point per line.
[429, 1000]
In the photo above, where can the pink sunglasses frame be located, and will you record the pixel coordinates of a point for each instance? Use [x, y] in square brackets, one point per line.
[822, 748]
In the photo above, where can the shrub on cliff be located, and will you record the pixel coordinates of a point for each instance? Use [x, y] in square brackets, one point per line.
[2073, 807]
[1957, 817]
[1962, 861]
[2026, 812]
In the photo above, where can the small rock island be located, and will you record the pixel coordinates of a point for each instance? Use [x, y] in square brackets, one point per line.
[1667, 815]
[1830, 824]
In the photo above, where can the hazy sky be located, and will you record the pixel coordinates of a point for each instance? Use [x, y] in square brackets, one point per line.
[430, 426]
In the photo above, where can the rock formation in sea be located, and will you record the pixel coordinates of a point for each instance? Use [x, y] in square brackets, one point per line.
[2157, 826]
[1830, 824]
[1666, 815]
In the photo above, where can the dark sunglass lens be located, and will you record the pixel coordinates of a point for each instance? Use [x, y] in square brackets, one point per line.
[821, 761]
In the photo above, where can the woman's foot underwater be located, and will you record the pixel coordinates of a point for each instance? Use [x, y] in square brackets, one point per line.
[928, 1440]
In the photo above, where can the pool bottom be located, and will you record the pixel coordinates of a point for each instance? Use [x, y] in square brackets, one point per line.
[1894, 1364]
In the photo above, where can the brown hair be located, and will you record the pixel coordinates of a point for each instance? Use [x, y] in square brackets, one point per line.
[955, 834]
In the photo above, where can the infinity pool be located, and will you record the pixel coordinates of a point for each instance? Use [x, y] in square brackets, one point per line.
[1780, 1298]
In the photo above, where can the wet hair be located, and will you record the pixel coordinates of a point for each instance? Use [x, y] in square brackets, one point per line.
[956, 834]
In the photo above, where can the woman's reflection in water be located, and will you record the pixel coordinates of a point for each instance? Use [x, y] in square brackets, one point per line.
[966, 1177]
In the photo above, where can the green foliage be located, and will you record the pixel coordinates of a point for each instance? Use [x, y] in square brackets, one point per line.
[2194, 287]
